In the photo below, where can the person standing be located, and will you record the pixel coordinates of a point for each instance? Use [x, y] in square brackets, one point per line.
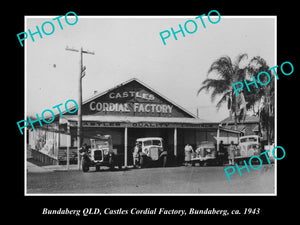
[83, 151]
[231, 152]
[188, 151]
[221, 146]
[222, 153]
[84, 148]
[136, 155]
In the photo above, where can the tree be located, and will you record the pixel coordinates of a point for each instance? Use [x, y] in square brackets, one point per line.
[253, 98]
[261, 100]
[229, 73]
[265, 96]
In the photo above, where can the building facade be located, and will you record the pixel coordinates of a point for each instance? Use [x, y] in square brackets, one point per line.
[128, 111]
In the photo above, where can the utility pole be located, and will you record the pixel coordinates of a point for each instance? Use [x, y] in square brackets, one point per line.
[81, 75]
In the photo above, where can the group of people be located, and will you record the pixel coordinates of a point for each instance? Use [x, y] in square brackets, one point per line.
[188, 151]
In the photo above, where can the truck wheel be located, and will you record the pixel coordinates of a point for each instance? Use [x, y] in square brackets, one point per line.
[111, 163]
[164, 161]
[142, 162]
[98, 168]
[85, 166]
[119, 162]
[120, 166]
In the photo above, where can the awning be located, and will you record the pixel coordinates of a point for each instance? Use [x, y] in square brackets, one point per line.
[239, 128]
[138, 122]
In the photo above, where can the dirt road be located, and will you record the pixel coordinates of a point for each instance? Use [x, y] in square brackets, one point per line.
[171, 180]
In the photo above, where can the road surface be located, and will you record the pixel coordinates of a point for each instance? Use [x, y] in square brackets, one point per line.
[170, 180]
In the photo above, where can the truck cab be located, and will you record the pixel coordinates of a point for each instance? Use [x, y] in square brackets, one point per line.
[101, 153]
[151, 150]
[248, 147]
[204, 154]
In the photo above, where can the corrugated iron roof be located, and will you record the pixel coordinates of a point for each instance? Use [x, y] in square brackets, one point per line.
[248, 119]
[239, 128]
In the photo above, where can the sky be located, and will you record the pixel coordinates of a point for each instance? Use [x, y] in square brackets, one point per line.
[127, 47]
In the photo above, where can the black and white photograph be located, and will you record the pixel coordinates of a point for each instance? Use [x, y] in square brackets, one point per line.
[146, 105]
[132, 114]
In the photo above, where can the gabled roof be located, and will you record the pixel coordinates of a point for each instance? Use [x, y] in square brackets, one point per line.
[95, 96]
[140, 83]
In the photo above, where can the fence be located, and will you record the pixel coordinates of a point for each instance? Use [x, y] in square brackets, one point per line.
[43, 158]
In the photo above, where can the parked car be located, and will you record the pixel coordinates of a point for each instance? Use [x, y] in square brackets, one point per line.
[204, 154]
[151, 150]
[248, 147]
[101, 153]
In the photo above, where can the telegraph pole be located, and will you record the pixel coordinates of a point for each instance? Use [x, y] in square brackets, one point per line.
[81, 75]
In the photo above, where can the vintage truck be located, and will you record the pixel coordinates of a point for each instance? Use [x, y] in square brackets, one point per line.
[151, 150]
[204, 154]
[101, 153]
[248, 147]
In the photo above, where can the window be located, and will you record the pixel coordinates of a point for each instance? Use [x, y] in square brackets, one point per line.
[254, 139]
[146, 143]
[243, 140]
[157, 142]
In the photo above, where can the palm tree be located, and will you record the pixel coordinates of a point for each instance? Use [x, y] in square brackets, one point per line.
[265, 95]
[255, 66]
[229, 73]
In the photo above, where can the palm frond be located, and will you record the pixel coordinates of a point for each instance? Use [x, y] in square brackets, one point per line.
[218, 86]
[239, 58]
[223, 67]
[225, 98]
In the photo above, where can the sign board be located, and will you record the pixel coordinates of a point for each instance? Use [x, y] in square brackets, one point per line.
[143, 124]
[133, 99]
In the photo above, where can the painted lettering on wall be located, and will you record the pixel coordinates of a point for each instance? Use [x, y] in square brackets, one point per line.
[130, 107]
[126, 94]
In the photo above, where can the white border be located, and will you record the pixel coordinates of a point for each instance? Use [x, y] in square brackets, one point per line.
[146, 194]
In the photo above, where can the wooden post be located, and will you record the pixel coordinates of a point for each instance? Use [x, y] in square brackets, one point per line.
[218, 137]
[125, 147]
[68, 146]
[175, 141]
[81, 75]
[58, 144]
[79, 125]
